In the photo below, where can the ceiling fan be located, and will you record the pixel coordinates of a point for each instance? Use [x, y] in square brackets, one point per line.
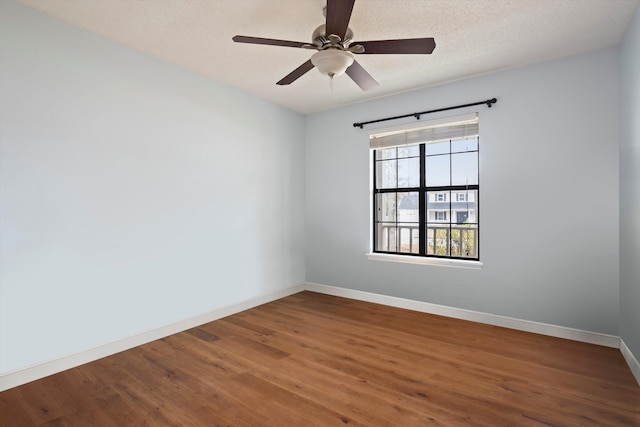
[335, 47]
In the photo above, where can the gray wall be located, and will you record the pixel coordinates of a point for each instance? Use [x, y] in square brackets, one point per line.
[134, 194]
[630, 188]
[548, 204]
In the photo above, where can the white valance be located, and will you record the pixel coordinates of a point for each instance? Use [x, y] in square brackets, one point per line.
[444, 129]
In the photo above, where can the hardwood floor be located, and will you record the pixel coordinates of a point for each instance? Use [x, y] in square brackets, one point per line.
[317, 360]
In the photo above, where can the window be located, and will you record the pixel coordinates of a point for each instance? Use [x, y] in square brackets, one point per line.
[441, 215]
[426, 188]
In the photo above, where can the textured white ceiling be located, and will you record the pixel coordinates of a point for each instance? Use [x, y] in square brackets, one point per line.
[472, 37]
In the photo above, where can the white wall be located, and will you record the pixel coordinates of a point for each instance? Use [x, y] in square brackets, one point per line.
[133, 193]
[630, 188]
[549, 150]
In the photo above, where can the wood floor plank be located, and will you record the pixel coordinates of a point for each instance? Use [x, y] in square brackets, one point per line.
[12, 409]
[290, 370]
[319, 360]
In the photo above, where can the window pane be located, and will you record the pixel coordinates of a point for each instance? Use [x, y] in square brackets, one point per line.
[438, 171]
[464, 206]
[409, 238]
[462, 145]
[386, 153]
[438, 207]
[386, 174]
[438, 148]
[409, 172]
[464, 168]
[430, 244]
[464, 241]
[455, 243]
[386, 207]
[409, 151]
[386, 237]
[408, 204]
[438, 241]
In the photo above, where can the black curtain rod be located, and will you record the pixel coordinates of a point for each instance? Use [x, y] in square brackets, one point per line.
[489, 102]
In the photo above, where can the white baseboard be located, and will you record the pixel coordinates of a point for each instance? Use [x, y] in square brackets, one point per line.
[475, 316]
[633, 363]
[31, 373]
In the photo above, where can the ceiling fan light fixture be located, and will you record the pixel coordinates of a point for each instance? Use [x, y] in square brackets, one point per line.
[332, 62]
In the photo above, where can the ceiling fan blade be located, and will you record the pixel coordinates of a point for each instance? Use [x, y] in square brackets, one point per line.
[419, 46]
[272, 42]
[296, 74]
[361, 77]
[338, 16]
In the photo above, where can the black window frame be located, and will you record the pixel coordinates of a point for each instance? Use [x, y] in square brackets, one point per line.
[423, 191]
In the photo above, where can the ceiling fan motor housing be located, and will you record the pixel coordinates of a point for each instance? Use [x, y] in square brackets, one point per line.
[321, 38]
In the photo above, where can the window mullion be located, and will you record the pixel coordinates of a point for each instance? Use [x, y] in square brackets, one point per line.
[450, 235]
[477, 202]
[374, 203]
[422, 203]
[397, 234]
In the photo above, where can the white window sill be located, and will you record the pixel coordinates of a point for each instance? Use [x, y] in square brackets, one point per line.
[441, 262]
